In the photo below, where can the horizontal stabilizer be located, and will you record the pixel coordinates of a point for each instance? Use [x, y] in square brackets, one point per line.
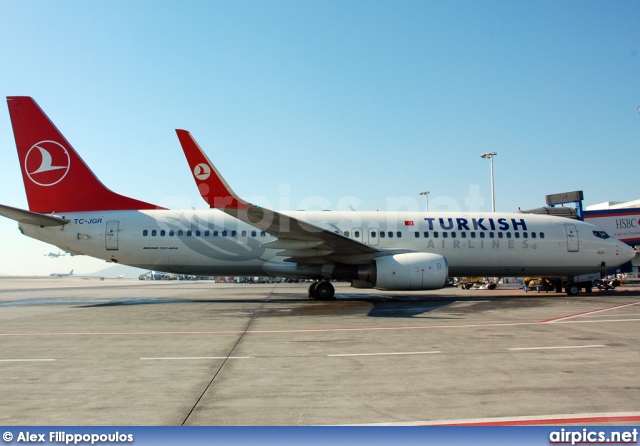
[31, 218]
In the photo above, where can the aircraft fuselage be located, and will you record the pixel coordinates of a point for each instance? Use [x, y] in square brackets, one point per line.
[210, 242]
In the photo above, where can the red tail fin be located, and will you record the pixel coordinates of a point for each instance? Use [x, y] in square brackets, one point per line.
[55, 177]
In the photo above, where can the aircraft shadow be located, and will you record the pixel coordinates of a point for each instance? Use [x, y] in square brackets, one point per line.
[381, 306]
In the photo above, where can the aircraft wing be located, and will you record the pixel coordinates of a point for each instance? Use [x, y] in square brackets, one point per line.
[297, 238]
[31, 218]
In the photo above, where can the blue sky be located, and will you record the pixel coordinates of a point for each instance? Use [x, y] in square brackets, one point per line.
[326, 104]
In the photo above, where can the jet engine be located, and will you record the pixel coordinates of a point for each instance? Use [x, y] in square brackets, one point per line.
[410, 271]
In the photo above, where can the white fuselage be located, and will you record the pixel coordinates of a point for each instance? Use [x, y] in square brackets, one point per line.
[210, 242]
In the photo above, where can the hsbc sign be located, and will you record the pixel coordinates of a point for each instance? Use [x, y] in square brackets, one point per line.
[624, 224]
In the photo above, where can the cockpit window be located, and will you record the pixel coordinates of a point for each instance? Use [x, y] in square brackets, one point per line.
[601, 234]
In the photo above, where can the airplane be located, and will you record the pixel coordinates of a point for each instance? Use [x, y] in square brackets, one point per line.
[54, 255]
[70, 208]
[61, 274]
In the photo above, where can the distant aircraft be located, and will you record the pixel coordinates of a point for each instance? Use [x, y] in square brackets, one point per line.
[62, 274]
[120, 276]
[54, 255]
[70, 208]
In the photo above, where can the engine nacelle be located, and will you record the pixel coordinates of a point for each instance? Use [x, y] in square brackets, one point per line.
[411, 271]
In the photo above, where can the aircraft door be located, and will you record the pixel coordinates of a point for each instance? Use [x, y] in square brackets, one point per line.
[111, 236]
[573, 244]
[356, 234]
[374, 234]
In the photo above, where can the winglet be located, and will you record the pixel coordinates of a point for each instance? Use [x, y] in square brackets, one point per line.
[213, 188]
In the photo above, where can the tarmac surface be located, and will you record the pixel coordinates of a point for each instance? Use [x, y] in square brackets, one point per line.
[128, 352]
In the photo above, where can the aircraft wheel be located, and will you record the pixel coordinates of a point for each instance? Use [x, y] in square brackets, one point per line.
[324, 291]
[572, 289]
[312, 290]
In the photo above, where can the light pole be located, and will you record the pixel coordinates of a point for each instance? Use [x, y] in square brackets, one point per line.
[426, 194]
[490, 155]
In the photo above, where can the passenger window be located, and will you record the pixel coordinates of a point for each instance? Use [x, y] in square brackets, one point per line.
[180, 233]
[198, 233]
[234, 233]
[243, 233]
[473, 235]
[463, 234]
[417, 234]
[399, 234]
[382, 234]
[445, 235]
[356, 234]
[390, 234]
[483, 235]
[525, 235]
[533, 235]
[435, 234]
[263, 234]
[154, 233]
[224, 233]
[253, 233]
[517, 234]
[172, 233]
[453, 235]
[426, 234]
[206, 233]
[500, 235]
[373, 234]
[163, 233]
[215, 233]
[542, 235]
[346, 233]
[145, 233]
[189, 233]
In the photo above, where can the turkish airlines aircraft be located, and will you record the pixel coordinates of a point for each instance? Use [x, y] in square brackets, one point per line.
[70, 208]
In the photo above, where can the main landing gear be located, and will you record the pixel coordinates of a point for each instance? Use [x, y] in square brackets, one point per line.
[322, 290]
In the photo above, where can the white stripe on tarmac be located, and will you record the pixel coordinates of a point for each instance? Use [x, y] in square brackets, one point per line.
[556, 347]
[342, 355]
[27, 360]
[317, 330]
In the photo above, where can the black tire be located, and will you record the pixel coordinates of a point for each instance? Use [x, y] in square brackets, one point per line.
[312, 290]
[324, 291]
[572, 289]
